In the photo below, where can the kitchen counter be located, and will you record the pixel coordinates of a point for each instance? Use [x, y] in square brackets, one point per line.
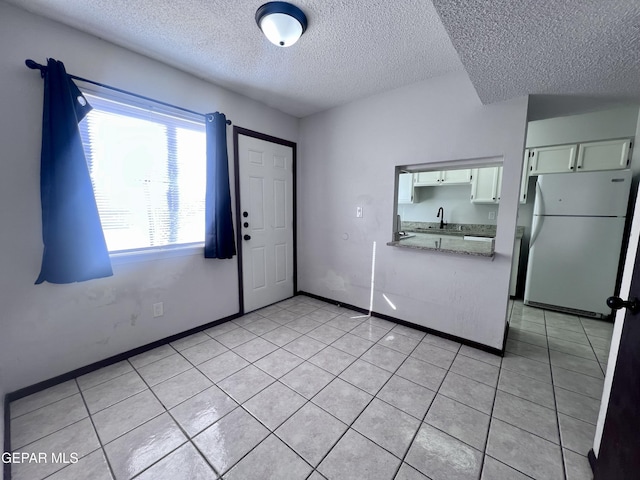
[459, 238]
[476, 229]
[449, 242]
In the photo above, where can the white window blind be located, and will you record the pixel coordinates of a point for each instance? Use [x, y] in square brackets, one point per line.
[148, 170]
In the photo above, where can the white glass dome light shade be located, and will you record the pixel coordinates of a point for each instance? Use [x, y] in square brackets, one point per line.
[281, 29]
[282, 23]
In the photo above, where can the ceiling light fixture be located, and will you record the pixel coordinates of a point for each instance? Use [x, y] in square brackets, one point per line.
[282, 23]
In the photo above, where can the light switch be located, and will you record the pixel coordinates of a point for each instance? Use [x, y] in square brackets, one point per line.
[359, 212]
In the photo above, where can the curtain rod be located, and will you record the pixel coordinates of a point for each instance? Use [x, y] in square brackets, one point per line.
[36, 66]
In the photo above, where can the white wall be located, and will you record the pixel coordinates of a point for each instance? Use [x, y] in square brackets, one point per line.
[348, 159]
[49, 329]
[454, 199]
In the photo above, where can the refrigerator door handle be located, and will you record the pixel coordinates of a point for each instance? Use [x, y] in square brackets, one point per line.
[538, 219]
[537, 226]
[540, 200]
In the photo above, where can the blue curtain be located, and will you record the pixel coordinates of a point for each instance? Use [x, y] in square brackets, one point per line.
[74, 245]
[219, 239]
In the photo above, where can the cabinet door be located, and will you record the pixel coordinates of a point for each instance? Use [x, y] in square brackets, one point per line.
[405, 188]
[609, 155]
[485, 185]
[524, 182]
[558, 159]
[455, 177]
[425, 179]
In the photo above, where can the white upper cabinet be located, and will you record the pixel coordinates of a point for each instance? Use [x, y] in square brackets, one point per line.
[405, 188]
[608, 155]
[426, 179]
[486, 185]
[444, 177]
[558, 159]
[455, 177]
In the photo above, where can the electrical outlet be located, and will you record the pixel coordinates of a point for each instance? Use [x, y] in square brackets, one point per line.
[358, 212]
[158, 309]
[492, 215]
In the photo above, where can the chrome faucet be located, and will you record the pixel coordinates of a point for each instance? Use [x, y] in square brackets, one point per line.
[441, 217]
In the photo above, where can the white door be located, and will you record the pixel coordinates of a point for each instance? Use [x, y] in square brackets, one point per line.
[266, 206]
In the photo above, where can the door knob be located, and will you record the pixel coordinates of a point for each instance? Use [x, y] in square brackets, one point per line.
[247, 237]
[617, 303]
[245, 214]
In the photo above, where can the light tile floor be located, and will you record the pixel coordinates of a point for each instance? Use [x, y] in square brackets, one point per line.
[303, 390]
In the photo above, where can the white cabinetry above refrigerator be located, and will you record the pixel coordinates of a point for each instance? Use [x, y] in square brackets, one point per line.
[558, 159]
[581, 157]
[609, 155]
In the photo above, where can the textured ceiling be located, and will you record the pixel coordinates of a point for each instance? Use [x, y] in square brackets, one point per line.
[351, 49]
[571, 55]
[583, 48]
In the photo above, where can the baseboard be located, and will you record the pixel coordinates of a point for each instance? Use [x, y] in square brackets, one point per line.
[23, 392]
[406, 323]
[592, 460]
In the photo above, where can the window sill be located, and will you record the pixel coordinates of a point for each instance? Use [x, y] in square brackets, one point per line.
[152, 254]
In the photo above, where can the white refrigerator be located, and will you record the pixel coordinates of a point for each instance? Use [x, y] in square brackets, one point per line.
[576, 237]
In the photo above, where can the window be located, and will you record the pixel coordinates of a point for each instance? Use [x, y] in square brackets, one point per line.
[148, 169]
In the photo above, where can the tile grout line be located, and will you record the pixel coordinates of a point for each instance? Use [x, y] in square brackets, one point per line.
[491, 417]
[553, 364]
[189, 439]
[604, 372]
[373, 397]
[555, 409]
[277, 380]
[241, 405]
[321, 323]
[104, 452]
[307, 400]
[402, 460]
[349, 426]
[134, 369]
[45, 405]
[555, 404]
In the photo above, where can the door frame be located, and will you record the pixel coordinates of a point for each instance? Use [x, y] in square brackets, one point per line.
[630, 254]
[236, 163]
